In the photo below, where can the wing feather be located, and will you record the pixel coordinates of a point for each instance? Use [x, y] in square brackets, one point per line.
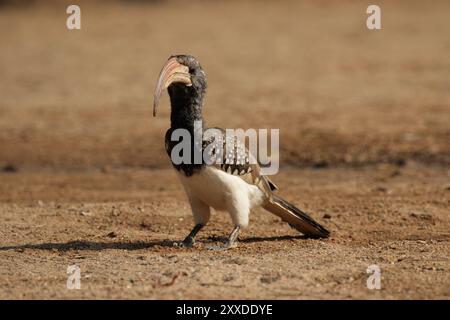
[235, 158]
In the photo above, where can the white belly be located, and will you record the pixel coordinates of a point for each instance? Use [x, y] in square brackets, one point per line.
[221, 190]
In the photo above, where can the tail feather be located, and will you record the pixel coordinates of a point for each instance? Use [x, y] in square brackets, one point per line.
[295, 217]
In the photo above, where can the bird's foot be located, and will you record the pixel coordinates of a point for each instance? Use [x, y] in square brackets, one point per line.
[225, 246]
[189, 241]
[231, 242]
[186, 243]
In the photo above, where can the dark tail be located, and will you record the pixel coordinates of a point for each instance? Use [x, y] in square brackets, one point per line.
[295, 217]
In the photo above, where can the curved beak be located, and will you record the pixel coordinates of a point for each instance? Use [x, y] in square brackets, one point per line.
[173, 71]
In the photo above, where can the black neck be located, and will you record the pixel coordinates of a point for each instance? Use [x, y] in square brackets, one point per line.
[186, 103]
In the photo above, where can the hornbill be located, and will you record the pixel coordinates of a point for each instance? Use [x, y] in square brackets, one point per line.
[236, 186]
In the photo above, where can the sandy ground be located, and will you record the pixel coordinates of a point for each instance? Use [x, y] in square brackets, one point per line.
[364, 122]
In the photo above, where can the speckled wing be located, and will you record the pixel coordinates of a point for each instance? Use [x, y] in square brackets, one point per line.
[235, 158]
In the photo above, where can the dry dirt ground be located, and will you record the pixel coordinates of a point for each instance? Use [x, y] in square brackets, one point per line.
[364, 119]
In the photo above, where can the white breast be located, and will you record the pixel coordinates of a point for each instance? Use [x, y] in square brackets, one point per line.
[221, 190]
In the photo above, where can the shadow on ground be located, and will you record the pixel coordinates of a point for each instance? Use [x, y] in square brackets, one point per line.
[139, 245]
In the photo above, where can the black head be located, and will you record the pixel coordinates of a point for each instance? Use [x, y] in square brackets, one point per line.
[185, 80]
[198, 76]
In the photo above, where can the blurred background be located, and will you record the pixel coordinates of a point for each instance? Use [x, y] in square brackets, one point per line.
[341, 94]
[364, 119]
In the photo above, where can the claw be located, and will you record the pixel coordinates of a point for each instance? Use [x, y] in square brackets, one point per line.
[225, 246]
[189, 241]
[231, 242]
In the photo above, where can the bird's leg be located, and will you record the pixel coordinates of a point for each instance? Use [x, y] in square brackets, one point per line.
[233, 237]
[230, 242]
[189, 240]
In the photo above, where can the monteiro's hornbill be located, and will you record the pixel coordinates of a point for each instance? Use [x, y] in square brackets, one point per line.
[234, 184]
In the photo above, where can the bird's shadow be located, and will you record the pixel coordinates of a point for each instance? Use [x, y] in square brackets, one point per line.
[139, 245]
[258, 239]
[90, 245]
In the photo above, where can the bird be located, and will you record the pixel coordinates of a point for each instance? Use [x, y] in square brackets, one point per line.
[234, 184]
